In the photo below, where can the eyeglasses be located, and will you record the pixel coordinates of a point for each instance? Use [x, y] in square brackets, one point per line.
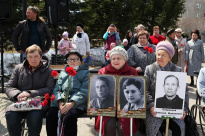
[75, 60]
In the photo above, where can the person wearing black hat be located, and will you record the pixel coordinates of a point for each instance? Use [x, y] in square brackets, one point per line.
[171, 38]
[77, 102]
[81, 41]
[194, 55]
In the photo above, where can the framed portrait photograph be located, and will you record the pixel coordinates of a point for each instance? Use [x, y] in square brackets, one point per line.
[131, 97]
[170, 94]
[102, 95]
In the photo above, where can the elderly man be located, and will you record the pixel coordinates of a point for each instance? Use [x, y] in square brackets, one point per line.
[170, 100]
[156, 37]
[104, 99]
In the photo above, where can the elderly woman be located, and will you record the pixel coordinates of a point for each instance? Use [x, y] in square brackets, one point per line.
[118, 66]
[164, 54]
[181, 44]
[29, 79]
[81, 41]
[133, 94]
[194, 55]
[77, 102]
[142, 53]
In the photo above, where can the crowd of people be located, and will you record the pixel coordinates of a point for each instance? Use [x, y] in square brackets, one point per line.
[138, 54]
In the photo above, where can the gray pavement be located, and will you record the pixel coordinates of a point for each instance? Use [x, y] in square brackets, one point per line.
[85, 125]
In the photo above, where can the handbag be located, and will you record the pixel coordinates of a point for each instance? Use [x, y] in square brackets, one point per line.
[191, 125]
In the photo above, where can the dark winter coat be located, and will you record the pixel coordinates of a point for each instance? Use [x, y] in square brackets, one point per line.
[38, 83]
[22, 31]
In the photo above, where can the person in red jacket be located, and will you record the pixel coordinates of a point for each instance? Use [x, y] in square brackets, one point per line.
[156, 37]
[118, 66]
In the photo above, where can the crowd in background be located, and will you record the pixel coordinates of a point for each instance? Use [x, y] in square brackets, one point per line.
[139, 53]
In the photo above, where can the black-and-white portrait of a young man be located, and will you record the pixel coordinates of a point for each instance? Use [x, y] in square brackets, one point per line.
[131, 94]
[102, 92]
[170, 100]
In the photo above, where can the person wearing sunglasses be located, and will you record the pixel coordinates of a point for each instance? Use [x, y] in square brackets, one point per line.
[31, 31]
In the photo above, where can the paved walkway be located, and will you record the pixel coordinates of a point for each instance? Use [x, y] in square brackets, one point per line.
[85, 125]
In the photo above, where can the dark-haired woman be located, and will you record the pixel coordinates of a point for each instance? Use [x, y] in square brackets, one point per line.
[194, 55]
[129, 37]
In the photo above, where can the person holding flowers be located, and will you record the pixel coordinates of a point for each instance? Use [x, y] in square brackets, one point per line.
[71, 94]
[117, 66]
[181, 43]
[30, 79]
[142, 53]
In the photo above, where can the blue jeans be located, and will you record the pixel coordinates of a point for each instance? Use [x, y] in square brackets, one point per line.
[34, 122]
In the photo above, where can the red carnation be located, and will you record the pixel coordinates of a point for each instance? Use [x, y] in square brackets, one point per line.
[70, 71]
[44, 103]
[150, 50]
[146, 47]
[47, 96]
[181, 44]
[52, 97]
[54, 73]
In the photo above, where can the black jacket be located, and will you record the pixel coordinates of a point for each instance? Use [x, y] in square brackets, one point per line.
[22, 31]
[163, 102]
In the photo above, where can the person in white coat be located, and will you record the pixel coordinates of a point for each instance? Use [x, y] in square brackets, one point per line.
[81, 41]
[181, 44]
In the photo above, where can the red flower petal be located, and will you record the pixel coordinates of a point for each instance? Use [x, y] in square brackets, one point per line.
[44, 103]
[52, 97]
[47, 96]
[150, 50]
[71, 71]
[146, 47]
[54, 73]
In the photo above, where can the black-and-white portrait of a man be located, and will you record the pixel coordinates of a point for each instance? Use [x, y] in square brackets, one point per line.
[102, 92]
[170, 100]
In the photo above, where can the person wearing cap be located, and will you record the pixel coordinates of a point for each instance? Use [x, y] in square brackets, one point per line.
[164, 54]
[118, 66]
[76, 104]
[156, 37]
[181, 44]
[111, 35]
[65, 45]
[129, 37]
[81, 41]
[171, 38]
[194, 55]
[140, 55]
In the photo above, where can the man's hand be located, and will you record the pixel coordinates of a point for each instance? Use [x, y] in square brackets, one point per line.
[20, 51]
[139, 69]
[65, 108]
[152, 112]
[23, 96]
[184, 115]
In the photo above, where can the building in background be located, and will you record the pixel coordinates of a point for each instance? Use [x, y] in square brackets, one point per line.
[193, 17]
